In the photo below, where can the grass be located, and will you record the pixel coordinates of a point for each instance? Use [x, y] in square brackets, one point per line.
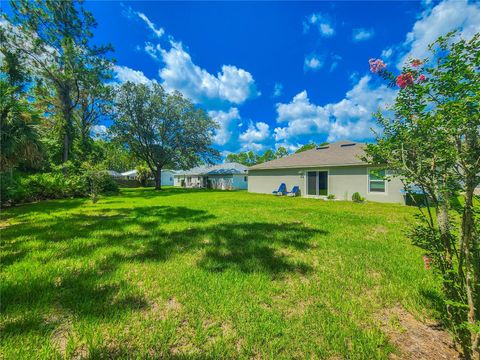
[194, 273]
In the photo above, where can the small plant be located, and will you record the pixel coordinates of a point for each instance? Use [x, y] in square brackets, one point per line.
[331, 197]
[143, 174]
[356, 197]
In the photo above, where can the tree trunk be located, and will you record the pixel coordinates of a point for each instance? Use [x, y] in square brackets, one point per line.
[66, 147]
[66, 108]
[158, 178]
[471, 276]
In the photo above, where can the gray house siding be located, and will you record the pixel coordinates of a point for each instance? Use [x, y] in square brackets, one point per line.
[266, 181]
[343, 181]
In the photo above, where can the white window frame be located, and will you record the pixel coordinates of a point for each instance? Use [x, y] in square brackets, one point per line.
[385, 182]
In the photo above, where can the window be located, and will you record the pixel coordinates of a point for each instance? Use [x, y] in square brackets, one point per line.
[376, 181]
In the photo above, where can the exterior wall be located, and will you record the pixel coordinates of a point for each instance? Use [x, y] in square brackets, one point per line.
[221, 182]
[240, 182]
[266, 181]
[343, 181]
[167, 177]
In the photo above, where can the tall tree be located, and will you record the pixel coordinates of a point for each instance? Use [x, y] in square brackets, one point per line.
[268, 155]
[306, 147]
[432, 139]
[281, 152]
[53, 37]
[95, 103]
[163, 130]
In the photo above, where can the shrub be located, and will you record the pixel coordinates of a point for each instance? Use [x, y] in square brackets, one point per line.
[356, 197]
[143, 174]
[19, 188]
[331, 197]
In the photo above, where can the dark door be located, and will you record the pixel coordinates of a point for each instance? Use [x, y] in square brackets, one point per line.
[323, 183]
[312, 183]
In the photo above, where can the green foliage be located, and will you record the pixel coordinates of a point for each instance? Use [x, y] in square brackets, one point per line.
[162, 129]
[143, 174]
[432, 139]
[356, 197]
[250, 158]
[281, 152]
[306, 147]
[98, 181]
[331, 196]
[19, 188]
[53, 40]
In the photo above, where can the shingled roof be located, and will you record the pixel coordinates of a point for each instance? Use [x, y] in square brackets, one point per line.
[340, 153]
[220, 169]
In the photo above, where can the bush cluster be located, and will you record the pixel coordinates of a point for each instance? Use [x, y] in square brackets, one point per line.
[17, 188]
[356, 197]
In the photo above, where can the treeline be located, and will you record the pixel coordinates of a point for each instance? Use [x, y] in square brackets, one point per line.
[249, 158]
[56, 88]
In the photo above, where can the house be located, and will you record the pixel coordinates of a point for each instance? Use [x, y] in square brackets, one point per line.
[113, 173]
[167, 176]
[227, 176]
[334, 169]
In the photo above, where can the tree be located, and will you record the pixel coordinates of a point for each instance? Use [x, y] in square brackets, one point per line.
[19, 140]
[53, 38]
[432, 140]
[268, 155]
[281, 152]
[143, 174]
[306, 147]
[113, 154]
[95, 103]
[163, 130]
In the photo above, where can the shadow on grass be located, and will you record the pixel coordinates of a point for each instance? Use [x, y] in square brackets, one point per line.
[101, 242]
[150, 192]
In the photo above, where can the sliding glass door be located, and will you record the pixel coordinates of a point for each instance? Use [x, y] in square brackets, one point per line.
[317, 183]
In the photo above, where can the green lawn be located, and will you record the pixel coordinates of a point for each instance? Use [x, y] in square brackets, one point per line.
[192, 273]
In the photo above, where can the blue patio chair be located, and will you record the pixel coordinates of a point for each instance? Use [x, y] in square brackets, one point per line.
[294, 192]
[281, 190]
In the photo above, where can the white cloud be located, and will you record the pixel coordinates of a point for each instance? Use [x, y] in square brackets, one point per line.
[387, 53]
[320, 21]
[124, 74]
[439, 20]
[335, 60]
[231, 84]
[99, 132]
[228, 122]
[157, 31]
[313, 62]
[255, 136]
[349, 118]
[302, 118]
[352, 116]
[362, 34]
[257, 132]
[277, 90]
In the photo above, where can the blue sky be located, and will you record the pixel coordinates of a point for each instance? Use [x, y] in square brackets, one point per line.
[276, 73]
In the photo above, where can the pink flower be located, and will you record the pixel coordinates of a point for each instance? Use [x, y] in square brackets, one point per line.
[404, 80]
[376, 65]
[416, 62]
[421, 78]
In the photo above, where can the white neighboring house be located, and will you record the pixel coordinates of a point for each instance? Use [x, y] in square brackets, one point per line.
[167, 176]
[228, 176]
[113, 173]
